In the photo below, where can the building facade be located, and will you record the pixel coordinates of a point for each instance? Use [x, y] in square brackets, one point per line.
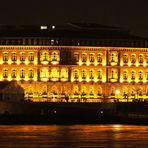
[76, 70]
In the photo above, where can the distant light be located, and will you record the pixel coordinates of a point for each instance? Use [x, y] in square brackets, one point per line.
[117, 91]
[43, 27]
[53, 27]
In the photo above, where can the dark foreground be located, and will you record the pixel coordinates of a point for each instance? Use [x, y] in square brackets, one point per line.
[73, 113]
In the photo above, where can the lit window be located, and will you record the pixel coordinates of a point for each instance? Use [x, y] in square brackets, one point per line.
[13, 73]
[45, 56]
[5, 56]
[91, 74]
[124, 74]
[146, 75]
[76, 57]
[84, 57]
[31, 56]
[112, 57]
[99, 74]
[54, 57]
[43, 27]
[133, 58]
[22, 56]
[147, 59]
[125, 58]
[91, 58]
[99, 57]
[140, 58]
[76, 74]
[5, 73]
[112, 74]
[14, 56]
[133, 75]
[140, 75]
[31, 73]
[22, 73]
[83, 74]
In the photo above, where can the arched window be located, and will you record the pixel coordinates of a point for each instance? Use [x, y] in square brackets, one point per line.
[54, 56]
[5, 73]
[5, 56]
[133, 75]
[99, 57]
[22, 56]
[140, 58]
[75, 74]
[31, 56]
[133, 58]
[112, 74]
[22, 73]
[13, 73]
[31, 74]
[84, 58]
[14, 56]
[140, 75]
[45, 56]
[91, 58]
[147, 75]
[91, 74]
[99, 74]
[125, 58]
[83, 74]
[112, 57]
[125, 74]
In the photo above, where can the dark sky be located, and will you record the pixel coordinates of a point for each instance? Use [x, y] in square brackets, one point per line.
[130, 14]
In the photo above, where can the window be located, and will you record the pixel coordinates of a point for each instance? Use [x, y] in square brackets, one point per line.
[45, 56]
[91, 74]
[125, 58]
[14, 56]
[5, 73]
[99, 74]
[112, 74]
[22, 56]
[83, 74]
[76, 57]
[5, 56]
[22, 73]
[83, 57]
[31, 56]
[13, 74]
[112, 57]
[146, 75]
[140, 75]
[76, 74]
[147, 59]
[91, 58]
[133, 58]
[124, 74]
[140, 58]
[54, 56]
[99, 57]
[133, 75]
[31, 73]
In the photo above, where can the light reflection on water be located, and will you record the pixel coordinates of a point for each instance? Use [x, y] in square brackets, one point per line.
[118, 136]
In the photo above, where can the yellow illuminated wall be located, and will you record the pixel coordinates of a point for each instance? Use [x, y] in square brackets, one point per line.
[97, 73]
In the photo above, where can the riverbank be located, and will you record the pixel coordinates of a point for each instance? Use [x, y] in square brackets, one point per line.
[73, 113]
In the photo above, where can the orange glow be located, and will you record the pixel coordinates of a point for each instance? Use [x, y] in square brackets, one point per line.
[9, 79]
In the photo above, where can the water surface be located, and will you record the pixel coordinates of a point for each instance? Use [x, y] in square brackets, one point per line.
[73, 136]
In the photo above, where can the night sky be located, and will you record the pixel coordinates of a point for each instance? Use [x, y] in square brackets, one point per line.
[129, 14]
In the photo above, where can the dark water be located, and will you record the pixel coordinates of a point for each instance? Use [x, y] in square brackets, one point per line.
[67, 136]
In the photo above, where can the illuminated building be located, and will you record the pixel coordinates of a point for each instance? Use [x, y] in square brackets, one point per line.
[86, 63]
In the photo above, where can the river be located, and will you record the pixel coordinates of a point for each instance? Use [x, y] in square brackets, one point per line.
[73, 136]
